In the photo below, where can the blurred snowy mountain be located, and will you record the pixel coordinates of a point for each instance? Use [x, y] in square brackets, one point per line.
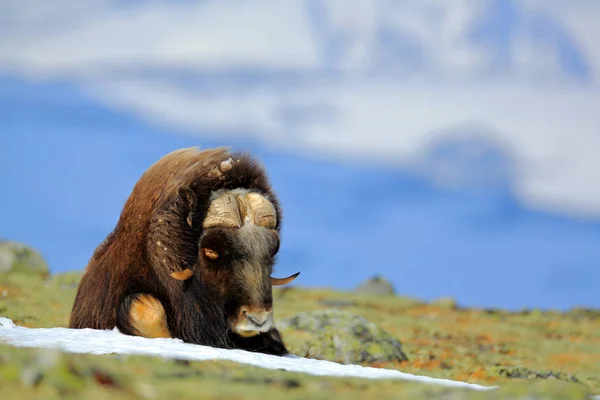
[469, 129]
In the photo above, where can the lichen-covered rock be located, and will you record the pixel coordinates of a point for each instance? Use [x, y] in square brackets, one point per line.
[19, 258]
[345, 338]
[376, 285]
[525, 373]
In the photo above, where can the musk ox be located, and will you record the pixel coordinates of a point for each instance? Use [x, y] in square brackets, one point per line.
[191, 256]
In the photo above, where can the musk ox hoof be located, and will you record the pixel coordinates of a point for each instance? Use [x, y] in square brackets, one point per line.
[274, 343]
[269, 342]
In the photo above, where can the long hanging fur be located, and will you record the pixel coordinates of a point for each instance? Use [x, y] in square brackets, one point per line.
[157, 234]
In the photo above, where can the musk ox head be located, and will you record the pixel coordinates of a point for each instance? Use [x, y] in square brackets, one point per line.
[238, 246]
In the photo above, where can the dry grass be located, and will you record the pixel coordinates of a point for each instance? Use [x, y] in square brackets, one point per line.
[441, 340]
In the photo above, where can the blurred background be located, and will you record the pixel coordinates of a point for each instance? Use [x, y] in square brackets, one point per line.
[450, 146]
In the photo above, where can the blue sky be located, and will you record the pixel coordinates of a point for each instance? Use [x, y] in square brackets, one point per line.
[451, 148]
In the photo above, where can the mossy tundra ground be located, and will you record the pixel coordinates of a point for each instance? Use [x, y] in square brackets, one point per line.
[528, 353]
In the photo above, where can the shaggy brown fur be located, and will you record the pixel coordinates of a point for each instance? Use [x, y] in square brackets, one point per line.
[130, 281]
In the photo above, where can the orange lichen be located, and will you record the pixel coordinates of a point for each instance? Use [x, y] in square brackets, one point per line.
[562, 359]
[427, 364]
[7, 290]
[140, 370]
[424, 310]
[477, 375]
[379, 364]
[566, 360]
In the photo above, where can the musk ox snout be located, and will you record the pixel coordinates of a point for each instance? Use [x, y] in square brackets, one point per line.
[252, 321]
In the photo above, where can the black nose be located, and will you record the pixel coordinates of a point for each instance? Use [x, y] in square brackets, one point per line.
[255, 320]
[258, 318]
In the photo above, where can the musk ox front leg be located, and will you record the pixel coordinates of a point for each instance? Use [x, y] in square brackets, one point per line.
[273, 343]
[270, 342]
[142, 315]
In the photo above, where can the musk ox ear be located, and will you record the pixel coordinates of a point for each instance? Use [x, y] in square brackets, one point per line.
[171, 239]
[189, 197]
[284, 281]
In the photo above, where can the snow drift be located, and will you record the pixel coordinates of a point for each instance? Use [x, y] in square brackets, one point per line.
[92, 341]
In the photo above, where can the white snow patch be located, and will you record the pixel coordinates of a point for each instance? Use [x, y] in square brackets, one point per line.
[111, 341]
[6, 323]
[93, 341]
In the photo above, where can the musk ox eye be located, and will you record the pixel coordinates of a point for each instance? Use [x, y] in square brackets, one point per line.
[210, 254]
[217, 243]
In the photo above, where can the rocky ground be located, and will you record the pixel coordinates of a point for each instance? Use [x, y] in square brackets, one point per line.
[530, 354]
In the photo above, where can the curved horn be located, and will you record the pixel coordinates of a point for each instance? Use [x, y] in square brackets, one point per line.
[262, 210]
[182, 275]
[283, 281]
[223, 211]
